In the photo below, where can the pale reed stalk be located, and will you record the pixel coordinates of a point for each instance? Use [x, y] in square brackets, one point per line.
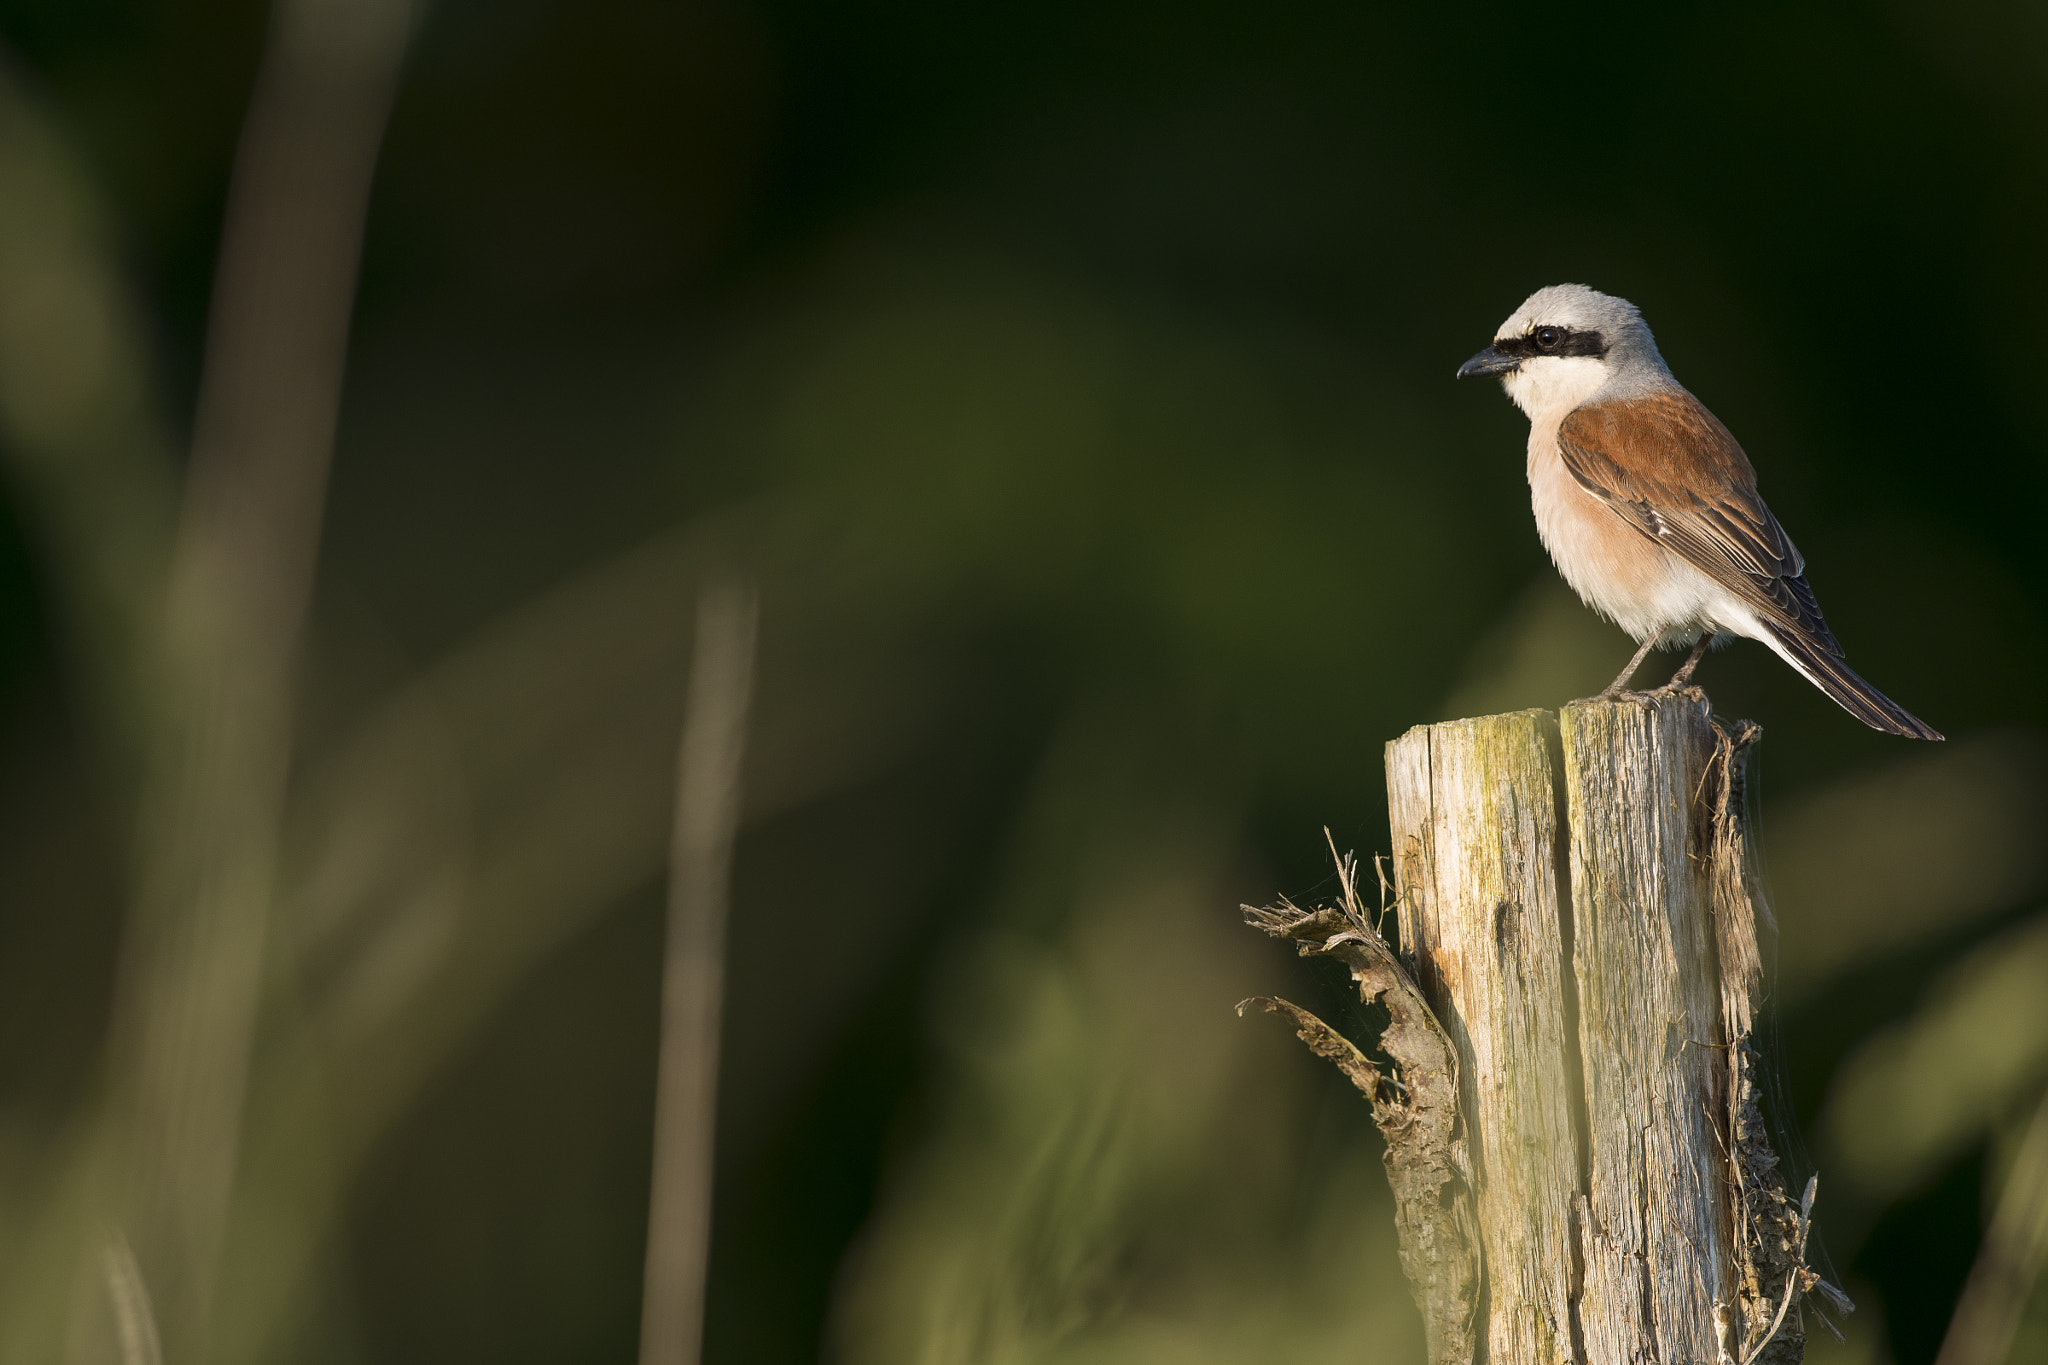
[693, 975]
[239, 581]
[1995, 1296]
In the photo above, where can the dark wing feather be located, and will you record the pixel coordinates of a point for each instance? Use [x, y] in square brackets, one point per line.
[1671, 470]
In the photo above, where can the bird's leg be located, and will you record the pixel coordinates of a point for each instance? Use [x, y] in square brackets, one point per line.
[1633, 664]
[1692, 661]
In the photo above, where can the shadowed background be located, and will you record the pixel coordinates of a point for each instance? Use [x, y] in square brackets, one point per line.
[1075, 380]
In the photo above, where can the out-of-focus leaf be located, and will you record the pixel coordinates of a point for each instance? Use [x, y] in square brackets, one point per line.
[471, 825]
[1921, 1091]
[524, 783]
[1925, 845]
[80, 429]
[1109, 1177]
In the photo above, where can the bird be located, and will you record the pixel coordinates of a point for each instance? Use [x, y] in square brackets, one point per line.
[1648, 506]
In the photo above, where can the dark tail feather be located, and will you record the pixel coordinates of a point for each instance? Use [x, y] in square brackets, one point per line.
[1841, 682]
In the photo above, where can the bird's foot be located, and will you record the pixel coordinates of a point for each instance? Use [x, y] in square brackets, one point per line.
[1681, 681]
[1670, 689]
[1609, 694]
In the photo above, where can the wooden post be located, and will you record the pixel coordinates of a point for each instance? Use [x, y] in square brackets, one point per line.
[1557, 913]
[1577, 901]
[1576, 906]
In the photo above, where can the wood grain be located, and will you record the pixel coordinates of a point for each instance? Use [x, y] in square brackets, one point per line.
[1559, 906]
[1654, 1240]
[1477, 857]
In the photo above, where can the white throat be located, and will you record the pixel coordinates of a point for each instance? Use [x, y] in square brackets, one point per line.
[1547, 387]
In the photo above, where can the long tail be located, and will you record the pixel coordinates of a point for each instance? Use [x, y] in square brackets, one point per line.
[1841, 682]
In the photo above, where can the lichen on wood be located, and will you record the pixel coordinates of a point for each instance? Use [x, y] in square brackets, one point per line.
[1477, 821]
[1415, 1106]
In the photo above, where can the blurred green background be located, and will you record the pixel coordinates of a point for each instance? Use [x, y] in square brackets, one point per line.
[1076, 380]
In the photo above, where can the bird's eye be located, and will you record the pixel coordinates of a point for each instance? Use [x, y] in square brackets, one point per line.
[1547, 338]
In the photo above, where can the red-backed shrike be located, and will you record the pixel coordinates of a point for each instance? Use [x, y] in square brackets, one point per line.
[1650, 508]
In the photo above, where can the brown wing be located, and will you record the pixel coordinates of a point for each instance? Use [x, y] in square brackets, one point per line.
[1672, 471]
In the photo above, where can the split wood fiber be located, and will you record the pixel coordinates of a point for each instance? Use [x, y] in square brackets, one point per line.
[1414, 1103]
[1566, 900]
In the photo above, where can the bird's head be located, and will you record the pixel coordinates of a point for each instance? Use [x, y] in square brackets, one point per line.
[1566, 344]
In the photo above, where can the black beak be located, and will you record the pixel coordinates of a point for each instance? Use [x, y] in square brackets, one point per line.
[1489, 361]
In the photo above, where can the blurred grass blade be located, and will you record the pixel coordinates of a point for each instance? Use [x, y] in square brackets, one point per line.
[80, 429]
[240, 576]
[1995, 1295]
[134, 1317]
[700, 871]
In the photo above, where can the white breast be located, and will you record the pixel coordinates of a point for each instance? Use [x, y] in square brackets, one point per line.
[1619, 572]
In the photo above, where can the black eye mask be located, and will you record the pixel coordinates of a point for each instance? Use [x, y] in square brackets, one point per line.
[1568, 342]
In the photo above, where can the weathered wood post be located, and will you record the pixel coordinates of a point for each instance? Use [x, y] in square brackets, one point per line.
[1576, 906]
